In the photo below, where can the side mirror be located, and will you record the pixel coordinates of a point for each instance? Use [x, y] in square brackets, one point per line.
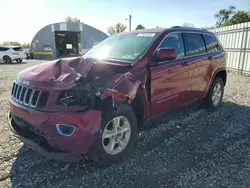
[164, 54]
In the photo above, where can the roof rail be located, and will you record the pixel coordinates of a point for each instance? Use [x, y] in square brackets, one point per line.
[189, 28]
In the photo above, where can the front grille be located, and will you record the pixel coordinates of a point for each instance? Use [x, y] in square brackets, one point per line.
[25, 95]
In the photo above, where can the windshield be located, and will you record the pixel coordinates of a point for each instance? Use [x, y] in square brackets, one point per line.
[122, 47]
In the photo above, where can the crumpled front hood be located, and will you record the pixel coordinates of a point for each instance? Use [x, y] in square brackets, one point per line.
[59, 74]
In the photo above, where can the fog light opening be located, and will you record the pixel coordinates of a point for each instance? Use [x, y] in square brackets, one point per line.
[65, 130]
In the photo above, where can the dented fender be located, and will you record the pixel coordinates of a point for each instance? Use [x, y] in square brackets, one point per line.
[125, 90]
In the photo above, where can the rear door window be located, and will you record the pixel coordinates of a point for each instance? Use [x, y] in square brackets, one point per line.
[174, 41]
[194, 44]
[3, 49]
[211, 43]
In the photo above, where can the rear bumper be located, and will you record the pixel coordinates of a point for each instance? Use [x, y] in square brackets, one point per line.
[38, 130]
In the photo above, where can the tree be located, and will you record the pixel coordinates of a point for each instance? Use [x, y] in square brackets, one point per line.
[71, 19]
[237, 18]
[111, 30]
[228, 23]
[240, 17]
[118, 28]
[186, 24]
[208, 27]
[11, 43]
[138, 27]
[223, 15]
[26, 45]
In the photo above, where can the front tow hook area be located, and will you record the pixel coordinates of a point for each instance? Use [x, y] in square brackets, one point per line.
[38, 147]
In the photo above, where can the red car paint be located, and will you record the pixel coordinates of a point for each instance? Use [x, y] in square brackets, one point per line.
[87, 123]
[162, 87]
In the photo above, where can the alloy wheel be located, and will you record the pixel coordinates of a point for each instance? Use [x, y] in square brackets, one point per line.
[116, 135]
[216, 96]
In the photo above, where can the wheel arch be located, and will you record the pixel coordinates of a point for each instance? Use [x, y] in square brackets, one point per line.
[11, 59]
[222, 73]
[138, 109]
[6, 56]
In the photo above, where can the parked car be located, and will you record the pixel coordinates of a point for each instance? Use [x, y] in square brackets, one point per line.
[96, 104]
[12, 53]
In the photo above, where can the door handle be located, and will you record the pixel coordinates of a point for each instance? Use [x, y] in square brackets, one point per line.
[185, 63]
[210, 58]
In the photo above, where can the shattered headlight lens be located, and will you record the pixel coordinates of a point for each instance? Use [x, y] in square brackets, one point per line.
[67, 97]
[77, 97]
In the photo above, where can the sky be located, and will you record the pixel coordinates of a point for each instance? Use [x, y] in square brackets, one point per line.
[20, 20]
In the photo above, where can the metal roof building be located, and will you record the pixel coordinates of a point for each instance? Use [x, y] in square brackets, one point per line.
[64, 39]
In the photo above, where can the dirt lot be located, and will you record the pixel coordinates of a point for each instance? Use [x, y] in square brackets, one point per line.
[188, 148]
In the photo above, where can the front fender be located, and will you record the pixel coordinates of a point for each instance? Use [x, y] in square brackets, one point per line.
[126, 89]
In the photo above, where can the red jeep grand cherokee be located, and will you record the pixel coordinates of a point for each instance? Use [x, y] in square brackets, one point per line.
[95, 105]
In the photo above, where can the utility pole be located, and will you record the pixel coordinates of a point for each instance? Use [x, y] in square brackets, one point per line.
[129, 19]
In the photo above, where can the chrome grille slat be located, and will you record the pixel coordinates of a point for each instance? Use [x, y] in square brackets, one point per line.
[15, 87]
[38, 96]
[31, 96]
[25, 95]
[17, 91]
[20, 93]
[15, 94]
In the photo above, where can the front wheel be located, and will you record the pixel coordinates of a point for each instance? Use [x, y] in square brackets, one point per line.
[117, 136]
[215, 94]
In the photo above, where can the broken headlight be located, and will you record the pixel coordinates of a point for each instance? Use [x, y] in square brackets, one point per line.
[78, 96]
[67, 97]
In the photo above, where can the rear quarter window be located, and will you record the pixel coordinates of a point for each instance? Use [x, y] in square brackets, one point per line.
[211, 43]
[18, 49]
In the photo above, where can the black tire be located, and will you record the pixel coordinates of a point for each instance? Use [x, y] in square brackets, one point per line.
[7, 59]
[97, 152]
[208, 102]
[19, 60]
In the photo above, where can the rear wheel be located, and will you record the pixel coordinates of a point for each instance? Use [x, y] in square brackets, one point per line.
[117, 136]
[19, 60]
[215, 94]
[7, 59]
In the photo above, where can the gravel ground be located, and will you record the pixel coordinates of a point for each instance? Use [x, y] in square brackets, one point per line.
[187, 148]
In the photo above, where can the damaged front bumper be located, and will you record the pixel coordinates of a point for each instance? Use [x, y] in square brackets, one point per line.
[39, 130]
